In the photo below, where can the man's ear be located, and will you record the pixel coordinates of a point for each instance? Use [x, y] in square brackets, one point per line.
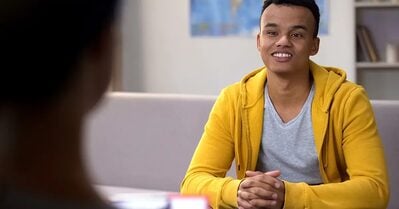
[258, 41]
[315, 47]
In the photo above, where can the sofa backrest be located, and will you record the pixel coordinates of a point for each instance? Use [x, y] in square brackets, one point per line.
[147, 140]
[387, 116]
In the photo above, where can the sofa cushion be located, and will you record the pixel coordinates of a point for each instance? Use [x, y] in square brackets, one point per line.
[145, 140]
[387, 116]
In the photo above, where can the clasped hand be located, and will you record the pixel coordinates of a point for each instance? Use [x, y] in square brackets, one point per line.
[261, 191]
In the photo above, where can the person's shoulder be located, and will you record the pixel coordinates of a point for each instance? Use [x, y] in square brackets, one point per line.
[230, 93]
[254, 78]
[350, 94]
[351, 88]
[334, 80]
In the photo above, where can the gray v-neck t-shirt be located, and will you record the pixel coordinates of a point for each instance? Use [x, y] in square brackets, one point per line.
[289, 147]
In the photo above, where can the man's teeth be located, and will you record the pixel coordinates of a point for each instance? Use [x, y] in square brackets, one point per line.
[282, 55]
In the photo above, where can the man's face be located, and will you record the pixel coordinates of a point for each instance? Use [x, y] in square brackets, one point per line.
[286, 40]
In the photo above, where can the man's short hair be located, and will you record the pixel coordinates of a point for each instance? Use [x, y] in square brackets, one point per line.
[41, 42]
[310, 4]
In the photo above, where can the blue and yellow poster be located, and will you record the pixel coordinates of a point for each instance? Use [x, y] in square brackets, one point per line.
[235, 17]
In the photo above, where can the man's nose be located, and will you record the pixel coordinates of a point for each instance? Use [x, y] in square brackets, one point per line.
[283, 41]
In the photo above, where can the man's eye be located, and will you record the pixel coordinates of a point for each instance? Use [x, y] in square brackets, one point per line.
[296, 35]
[271, 33]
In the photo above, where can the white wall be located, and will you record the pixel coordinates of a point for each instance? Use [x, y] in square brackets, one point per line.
[160, 56]
[338, 47]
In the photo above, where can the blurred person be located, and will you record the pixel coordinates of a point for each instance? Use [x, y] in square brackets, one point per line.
[55, 62]
[302, 136]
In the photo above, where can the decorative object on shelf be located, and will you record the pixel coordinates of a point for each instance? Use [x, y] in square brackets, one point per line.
[366, 44]
[363, 53]
[392, 52]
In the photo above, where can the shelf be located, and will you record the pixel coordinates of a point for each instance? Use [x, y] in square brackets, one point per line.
[376, 4]
[370, 65]
[380, 79]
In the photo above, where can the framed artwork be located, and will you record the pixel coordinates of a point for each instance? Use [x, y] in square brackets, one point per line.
[236, 17]
[324, 16]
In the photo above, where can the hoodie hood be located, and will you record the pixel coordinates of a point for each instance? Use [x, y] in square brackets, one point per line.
[327, 82]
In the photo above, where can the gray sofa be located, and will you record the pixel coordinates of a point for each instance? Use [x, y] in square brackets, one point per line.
[387, 115]
[147, 140]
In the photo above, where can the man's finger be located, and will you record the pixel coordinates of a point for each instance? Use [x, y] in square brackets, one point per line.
[243, 204]
[275, 173]
[253, 173]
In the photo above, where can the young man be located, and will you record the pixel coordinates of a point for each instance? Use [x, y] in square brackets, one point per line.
[302, 135]
[56, 60]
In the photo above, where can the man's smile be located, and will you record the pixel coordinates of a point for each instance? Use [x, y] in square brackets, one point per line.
[281, 54]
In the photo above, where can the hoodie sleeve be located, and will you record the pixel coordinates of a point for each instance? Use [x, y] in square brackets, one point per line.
[213, 158]
[357, 176]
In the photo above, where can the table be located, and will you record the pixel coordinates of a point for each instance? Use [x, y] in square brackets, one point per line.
[137, 198]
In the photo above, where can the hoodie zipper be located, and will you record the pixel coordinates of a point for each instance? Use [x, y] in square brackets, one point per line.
[245, 128]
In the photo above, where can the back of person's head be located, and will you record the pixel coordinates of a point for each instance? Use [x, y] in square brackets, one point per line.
[41, 43]
[310, 4]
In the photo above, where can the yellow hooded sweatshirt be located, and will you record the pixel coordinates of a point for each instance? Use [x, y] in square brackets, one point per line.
[349, 148]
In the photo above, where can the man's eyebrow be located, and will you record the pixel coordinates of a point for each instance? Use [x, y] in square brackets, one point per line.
[270, 25]
[300, 27]
[274, 25]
